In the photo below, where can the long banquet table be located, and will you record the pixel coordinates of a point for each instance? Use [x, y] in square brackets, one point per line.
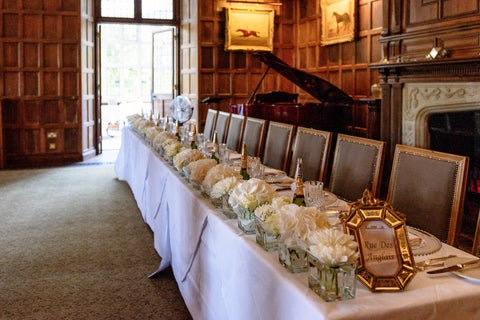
[223, 274]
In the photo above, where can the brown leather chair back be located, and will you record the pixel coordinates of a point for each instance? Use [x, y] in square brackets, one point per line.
[223, 120]
[429, 188]
[254, 135]
[313, 146]
[278, 145]
[210, 123]
[234, 133]
[357, 165]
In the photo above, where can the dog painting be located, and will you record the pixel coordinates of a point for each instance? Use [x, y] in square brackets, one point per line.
[338, 21]
[250, 30]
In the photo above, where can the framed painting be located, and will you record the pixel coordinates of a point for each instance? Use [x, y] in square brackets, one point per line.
[250, 30]
[338, 21]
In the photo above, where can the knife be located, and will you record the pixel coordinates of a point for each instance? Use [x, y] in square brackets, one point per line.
[475, 263]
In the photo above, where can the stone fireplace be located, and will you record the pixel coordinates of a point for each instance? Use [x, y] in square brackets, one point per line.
[421, 100]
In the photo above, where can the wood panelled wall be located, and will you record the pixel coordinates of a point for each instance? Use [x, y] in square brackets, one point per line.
[234, 75]
[39, 81]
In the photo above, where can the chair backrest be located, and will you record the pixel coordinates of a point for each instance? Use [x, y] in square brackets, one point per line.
[429, 188]
[210, 122]
[476, 238]
[357, 165]
[223, 120]
[278, 145]
[235, 130]
[254, 135]
[313, 146]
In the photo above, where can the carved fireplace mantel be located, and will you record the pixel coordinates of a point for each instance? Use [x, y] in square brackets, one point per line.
[411, 91]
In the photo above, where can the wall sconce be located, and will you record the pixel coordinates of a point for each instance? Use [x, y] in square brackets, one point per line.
[437, 53]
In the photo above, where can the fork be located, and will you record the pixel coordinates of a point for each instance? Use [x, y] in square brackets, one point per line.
[434, 262]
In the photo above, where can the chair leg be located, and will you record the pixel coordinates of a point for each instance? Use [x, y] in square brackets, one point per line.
[476, 238]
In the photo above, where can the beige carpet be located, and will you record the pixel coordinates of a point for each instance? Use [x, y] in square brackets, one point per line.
[73, 245]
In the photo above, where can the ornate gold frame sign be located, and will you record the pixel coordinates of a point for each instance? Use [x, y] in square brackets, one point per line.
[386, 259]
[338, 21]
[250, 30]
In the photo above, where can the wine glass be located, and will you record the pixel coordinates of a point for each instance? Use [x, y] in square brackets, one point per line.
[314, 194]
[200, 139]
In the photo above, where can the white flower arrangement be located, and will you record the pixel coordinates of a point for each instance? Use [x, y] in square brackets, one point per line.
[183, 158]
[133, 117]
[161, 137]
[199, 169]
[333, 247]
[224, 187]
[297, 224]
[216, 174]
[169, 141]
[145, 125]
[139, 122]
[152, 132]
[270, 216]
[172, 149]
[252, 194]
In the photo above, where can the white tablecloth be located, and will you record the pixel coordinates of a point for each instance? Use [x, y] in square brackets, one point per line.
[223, 274]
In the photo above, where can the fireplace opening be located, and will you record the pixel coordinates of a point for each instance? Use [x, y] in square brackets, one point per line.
[459, 133]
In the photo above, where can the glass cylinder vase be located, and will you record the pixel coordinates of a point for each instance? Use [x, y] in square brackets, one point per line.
[332, 283]
[294, 258]
[246, 219]
[264, 238]
[227, 209]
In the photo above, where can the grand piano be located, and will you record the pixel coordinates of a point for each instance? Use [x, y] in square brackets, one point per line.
[332, 113]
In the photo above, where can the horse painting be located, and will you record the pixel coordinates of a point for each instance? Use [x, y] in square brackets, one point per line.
[341, 19]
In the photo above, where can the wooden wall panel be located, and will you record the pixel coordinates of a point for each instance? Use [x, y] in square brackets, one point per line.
[38, 69]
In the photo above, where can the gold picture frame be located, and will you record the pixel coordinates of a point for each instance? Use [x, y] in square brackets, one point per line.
[338, 21]
[386, 261]
[249, 30]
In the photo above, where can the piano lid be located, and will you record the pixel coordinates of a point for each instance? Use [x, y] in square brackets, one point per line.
[317, 87]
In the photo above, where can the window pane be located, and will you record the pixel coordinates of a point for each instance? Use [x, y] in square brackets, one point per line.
[118, 8]
[157, 9]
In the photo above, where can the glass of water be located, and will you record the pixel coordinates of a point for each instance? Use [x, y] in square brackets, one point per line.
[314, 194]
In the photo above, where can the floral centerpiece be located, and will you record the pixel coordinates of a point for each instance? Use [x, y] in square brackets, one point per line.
[183, 158]
[267, 220]
[171, 149]
[199, 169]
[160, 139]
[145, 125]
[248, 196]
[222, 190]
[217, 173]
[152, 132]
[132, 118]
[297, 226]
[333, 257]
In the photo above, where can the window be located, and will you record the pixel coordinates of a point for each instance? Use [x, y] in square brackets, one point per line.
[136, 10]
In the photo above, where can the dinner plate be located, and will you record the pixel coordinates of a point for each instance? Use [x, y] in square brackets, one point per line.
[422, 242]
[330, 198]
[472, 274]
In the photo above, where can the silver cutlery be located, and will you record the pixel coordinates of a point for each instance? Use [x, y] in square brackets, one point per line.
[469, 264]
[434, 262]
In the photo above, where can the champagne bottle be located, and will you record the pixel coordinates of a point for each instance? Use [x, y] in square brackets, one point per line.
[177, 130]
[243, 171]
[298, 196]
[193, 144]
[215, 147]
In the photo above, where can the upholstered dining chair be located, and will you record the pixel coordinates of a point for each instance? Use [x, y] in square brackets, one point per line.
[254, 136]
[313, 146]
[278, 145]
[429, 188]
[234, 133]
[357, 165]
[476, 238]
[210, 123]
[223, 120]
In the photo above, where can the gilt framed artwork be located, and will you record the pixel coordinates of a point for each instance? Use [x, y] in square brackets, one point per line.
[250, 30]
[338, 21]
